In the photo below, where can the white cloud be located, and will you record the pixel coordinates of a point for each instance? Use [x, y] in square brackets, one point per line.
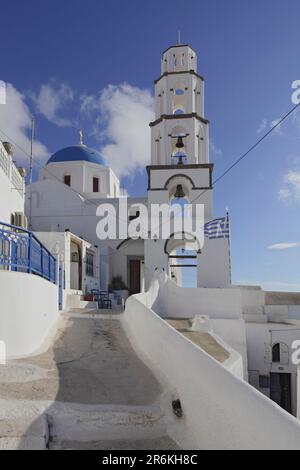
[283, 246]
[121, 120]
[277, 130]
[262, 127]
[290, 192]
[214, 149]
[50, 101]
[15, 121]
[265, 125]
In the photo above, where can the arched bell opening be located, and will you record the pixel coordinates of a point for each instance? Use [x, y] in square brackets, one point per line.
[183, 256]
[179, 99]
[179, 145]
[180, 189]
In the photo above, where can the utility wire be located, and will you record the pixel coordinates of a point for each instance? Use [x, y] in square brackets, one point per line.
[230, 168]
[244, 155]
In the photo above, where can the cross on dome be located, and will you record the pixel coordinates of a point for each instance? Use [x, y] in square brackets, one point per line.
[81, 137]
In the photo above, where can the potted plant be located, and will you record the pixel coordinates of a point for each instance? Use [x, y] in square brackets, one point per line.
[89, 297]
[118, 287]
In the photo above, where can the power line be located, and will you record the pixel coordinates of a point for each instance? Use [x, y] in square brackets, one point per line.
[244, 155]
[233, 165]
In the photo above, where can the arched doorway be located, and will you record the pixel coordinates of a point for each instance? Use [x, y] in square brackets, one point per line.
[183, 259]
[131, 264]
[75, 266]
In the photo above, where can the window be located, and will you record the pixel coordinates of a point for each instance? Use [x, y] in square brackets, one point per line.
[264, 381]
[95, 185]
[89, 264]
[276, 353]
[12, 219]
[67, 180]
[280, 353]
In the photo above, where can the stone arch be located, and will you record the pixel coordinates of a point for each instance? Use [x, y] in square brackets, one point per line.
[178, 131]
[187, 239]
[179, 99]
[180, 179]
[280, 353]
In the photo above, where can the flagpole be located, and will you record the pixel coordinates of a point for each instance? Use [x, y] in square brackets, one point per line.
[229, 245]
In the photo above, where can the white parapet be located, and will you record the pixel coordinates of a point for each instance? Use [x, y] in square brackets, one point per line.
[220, 410]
[28, 311]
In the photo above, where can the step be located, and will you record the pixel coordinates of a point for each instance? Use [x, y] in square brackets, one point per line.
[93, 425]
[159, 443]
[31, 433]
[22, 443]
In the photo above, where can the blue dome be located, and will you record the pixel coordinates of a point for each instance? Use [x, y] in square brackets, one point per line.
[77, 153]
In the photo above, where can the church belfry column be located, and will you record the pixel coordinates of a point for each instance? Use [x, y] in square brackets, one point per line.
[179, 110]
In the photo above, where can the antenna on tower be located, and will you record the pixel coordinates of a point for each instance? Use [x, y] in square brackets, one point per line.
[179, 37]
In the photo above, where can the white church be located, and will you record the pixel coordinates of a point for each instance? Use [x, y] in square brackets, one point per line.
[225, 349]
[179, 162]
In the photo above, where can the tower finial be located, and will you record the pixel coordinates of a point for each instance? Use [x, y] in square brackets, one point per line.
[81, 137]
[178, 37]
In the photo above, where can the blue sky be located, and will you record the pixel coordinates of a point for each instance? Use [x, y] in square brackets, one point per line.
[248, 52]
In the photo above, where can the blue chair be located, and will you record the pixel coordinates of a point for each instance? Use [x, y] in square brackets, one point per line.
[102, 297]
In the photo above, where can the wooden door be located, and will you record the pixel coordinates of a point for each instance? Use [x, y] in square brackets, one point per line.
[134, 276]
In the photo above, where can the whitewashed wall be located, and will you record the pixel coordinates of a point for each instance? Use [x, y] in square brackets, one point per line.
[183, 302]
[220, 410]
[28, 311]
[11, 200]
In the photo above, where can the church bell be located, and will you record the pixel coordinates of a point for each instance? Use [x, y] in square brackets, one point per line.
[179, 192]
[179, 143]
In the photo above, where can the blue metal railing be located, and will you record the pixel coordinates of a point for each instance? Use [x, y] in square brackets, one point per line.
[21, 251]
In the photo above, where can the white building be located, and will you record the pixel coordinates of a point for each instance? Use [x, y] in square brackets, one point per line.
[12, 188]
[77, 180]
[179, 161]
[80, 262]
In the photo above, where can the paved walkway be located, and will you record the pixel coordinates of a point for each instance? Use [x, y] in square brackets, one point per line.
[89, 390]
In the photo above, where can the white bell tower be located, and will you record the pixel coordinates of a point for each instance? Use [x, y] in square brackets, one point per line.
[180, 167]
[179, 111]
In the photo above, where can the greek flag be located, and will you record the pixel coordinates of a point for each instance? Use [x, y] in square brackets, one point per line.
[217, 228]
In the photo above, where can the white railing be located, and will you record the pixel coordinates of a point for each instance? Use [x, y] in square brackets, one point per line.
[10, 170]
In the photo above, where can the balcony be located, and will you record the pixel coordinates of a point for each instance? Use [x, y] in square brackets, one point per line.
[11, 171]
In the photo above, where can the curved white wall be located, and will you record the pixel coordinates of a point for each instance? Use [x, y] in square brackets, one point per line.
[220, 410]
[175, 301]
[28, 310]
